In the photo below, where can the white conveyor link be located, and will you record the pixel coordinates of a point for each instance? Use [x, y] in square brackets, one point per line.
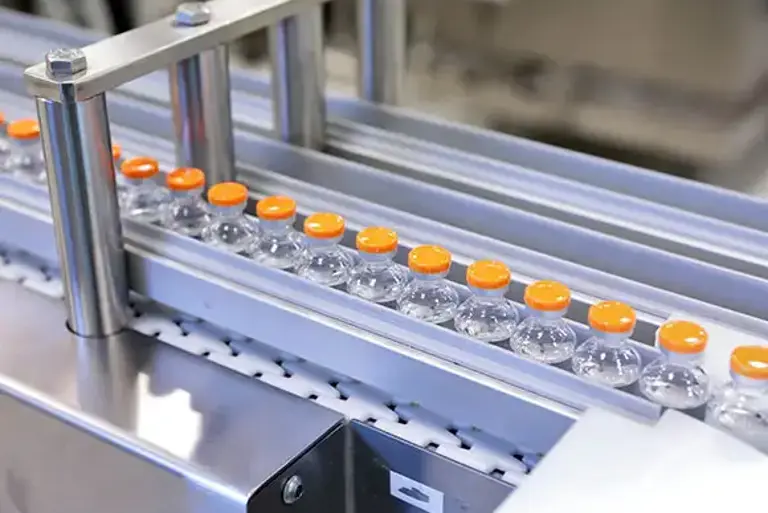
[355, 400]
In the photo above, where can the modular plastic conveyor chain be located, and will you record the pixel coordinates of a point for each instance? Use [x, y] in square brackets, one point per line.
[399, 417]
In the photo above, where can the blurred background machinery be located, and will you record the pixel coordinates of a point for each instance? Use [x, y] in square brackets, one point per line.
[676, 85]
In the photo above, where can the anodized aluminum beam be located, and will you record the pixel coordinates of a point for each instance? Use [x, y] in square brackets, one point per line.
[119, 59]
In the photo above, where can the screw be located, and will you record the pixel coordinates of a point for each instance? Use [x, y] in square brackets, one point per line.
[293, 489]
[65, 62]
[192, 14]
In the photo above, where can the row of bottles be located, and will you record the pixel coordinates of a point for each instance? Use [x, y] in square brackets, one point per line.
[674, 380]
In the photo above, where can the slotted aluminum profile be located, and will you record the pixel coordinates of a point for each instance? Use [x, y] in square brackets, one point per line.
[70, 89]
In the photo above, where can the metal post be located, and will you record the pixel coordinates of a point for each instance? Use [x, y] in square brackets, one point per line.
[202, 109]
[298, 78]
[381, 35]
[86, 218]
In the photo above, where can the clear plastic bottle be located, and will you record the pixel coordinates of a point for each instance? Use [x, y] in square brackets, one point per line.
[143, 199]
[608, 357]
[187, 212]
[544, 335]
[25, 159]
[677, 379]
[229, 228]
[429, 296]
[487, 315]
[740, 406]
[280, 245]
[377, 278]
[324, 261]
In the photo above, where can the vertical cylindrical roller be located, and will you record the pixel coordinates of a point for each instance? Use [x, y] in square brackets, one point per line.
[381, 35]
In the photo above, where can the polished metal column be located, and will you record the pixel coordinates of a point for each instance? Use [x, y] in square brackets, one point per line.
[86, 218]
[298, 78]
[202, 108]
[381, 35]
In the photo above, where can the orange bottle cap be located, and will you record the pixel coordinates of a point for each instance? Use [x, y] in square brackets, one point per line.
[429, 260]
[24, 129]
[227, 194]
[547, 296]
[750, 362]
[376, 240]
[488, 275]
[185, 179]
[612, 317]
[140, 167]
[682, 337]
[117, 151]
[324, 225]
[276, 208]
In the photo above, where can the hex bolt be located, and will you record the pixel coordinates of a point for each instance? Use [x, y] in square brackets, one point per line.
[65, 62]
[293, 489]
[192, 14]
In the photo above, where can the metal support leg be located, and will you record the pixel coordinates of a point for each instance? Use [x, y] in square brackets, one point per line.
[382, 40]
[298, 78]
[202, 114]
[86, 218]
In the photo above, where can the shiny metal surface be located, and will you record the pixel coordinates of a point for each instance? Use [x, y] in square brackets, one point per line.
[298, 78]
[377, 455]
[86, 217]
[122, 58]
[176, 433]
[202, 114]
[381, 35]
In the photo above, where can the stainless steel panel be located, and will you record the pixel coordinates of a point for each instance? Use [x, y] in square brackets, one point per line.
[377, 455]
[177, 433]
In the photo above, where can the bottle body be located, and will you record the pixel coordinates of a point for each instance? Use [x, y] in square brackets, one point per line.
[187, 213]
[675, 381]
[324, 262]
[377, 278]
[740, 407]
[143, 200]
[429, 297]
[279, 245]
[25, 159]
[607, 358]
[545, 337]
[230, 229]
[487, 316]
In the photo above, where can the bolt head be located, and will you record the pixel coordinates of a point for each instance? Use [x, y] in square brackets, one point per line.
[65, 62]
[192, 14]
[293, 489]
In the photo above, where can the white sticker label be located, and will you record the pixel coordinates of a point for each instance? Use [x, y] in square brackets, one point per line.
[415, 493]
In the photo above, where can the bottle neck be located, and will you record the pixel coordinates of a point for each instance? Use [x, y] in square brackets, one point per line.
[277, 227]
[489, 295]
[376, 260]
[428, 278]
[229, 212]
[187, 195]
[682, 358]
[548, 317]
[140, 182]
[613, 339]
[320, 245]
[749, 384]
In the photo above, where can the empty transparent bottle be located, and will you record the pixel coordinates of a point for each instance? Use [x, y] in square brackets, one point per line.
[544, 335]
[378, 278]
[25, 157]
[142, 199]
[487, 315]
[324, 261]
[279, 245]
[740, 406]
[607, 357]
[229, 228]
[677, 379]
[429, 296]
[187, 212]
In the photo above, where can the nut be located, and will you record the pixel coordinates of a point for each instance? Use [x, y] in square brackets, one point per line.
[192, 14]
[65, 62]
